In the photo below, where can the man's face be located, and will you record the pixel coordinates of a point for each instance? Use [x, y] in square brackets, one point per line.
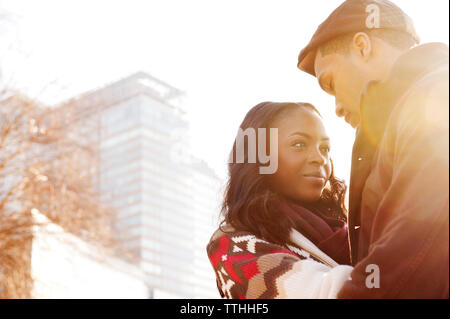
[342, 76]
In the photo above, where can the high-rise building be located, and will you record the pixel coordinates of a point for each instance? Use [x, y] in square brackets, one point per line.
[166, 199]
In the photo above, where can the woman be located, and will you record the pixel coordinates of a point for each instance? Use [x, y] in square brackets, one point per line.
[284, 235]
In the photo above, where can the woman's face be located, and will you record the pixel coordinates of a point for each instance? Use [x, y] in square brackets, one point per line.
[304, 165]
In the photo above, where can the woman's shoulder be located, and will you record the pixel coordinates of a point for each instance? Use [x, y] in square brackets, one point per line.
[247, 266]
[224, 235]
[228, 231]
[230, 241]
[223, 230]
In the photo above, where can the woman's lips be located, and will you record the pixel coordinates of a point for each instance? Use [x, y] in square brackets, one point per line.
[315, 178]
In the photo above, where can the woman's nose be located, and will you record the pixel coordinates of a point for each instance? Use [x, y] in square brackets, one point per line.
[318, 158]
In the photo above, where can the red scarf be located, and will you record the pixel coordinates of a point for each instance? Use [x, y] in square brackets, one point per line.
[328, 233]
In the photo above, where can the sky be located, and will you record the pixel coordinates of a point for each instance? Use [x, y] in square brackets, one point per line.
[227, 56]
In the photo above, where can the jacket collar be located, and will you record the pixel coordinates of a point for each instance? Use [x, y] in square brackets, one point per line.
[380, 97]
[304, 243]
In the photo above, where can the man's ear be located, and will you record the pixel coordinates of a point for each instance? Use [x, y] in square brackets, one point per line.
[362, 45]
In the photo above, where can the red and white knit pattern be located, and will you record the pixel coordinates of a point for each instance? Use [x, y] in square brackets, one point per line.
[249, 267]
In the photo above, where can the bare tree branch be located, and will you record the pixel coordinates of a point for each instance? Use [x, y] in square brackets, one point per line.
[45, 162]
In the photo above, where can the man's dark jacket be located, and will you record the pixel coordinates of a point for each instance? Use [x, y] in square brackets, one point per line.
[398, 210]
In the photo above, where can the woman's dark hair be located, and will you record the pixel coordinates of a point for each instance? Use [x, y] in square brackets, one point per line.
[248, 200]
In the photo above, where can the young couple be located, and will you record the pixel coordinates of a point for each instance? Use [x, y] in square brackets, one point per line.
[286, 234]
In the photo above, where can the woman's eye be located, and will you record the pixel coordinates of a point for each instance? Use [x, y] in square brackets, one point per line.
[325, 149]
[299, 144]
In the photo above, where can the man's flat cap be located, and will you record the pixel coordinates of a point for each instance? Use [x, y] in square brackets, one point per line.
[355, 16]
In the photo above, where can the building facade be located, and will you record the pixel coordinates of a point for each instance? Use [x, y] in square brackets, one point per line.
[165, 200]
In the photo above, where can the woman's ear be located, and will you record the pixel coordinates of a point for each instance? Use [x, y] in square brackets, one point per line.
[362, 45]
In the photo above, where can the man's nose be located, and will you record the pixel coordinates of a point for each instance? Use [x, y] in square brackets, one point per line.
[339, 110]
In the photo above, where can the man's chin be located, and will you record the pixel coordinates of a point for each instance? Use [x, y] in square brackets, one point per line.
[350, 120]
[354, 124]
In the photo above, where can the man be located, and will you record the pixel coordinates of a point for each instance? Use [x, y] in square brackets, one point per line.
[396, 95]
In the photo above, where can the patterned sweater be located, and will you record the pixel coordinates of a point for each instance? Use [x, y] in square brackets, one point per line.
[247, 267]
